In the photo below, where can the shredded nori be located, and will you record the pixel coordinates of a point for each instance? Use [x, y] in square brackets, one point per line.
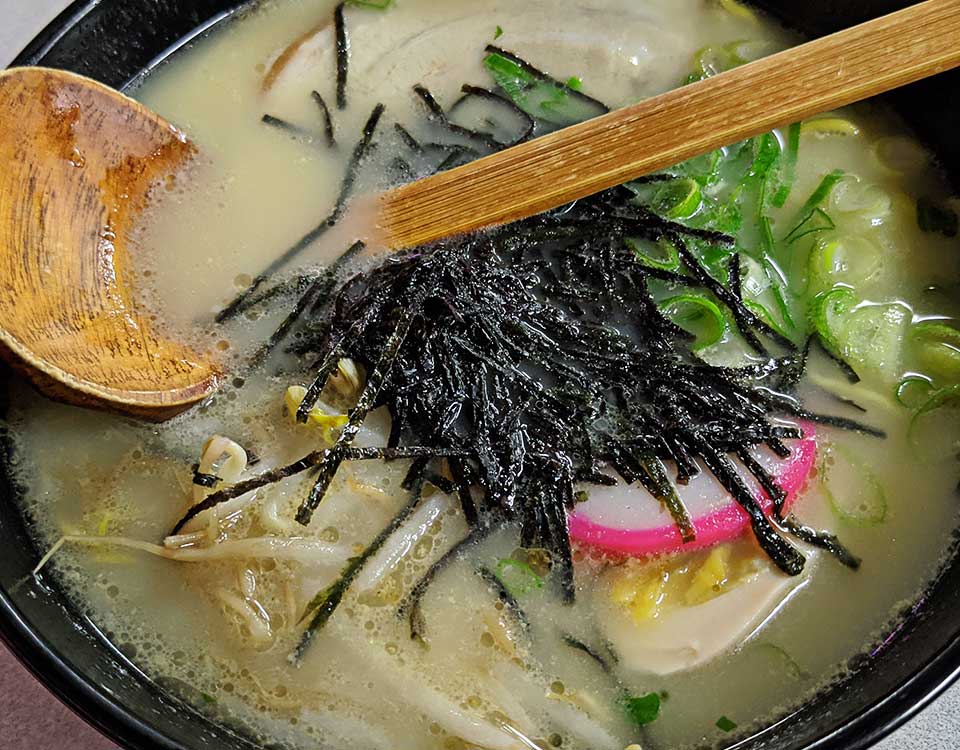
[541, 357]
[343, 55]
[202, 479]
[328, 128]
[522, 361]
[510, 603]
[287, 127]
[576, 643]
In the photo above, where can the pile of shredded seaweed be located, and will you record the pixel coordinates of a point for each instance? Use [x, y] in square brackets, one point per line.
[522, 363]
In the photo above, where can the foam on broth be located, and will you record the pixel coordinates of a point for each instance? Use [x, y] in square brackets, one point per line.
[364, 682]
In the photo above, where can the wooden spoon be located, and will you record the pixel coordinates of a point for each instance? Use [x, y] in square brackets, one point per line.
[78, 160]
[583, 159]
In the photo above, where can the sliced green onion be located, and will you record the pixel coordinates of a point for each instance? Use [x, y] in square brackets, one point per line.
[546, 99]
[738, 9]
[818, 196]
[710, 60]
[873, 336]
[766, 234]
[822, 261]
[725, 724]
[704, 168]
[766, 152]
[678, 198]
[698, 315]
[823, 126]
[913, 391]
[933, 430]
[936, 346]
[788, 166]
[827, 309]
[518, 577]
[933, 216]
[377, 4]
[766, 316]
[818, 221]
[785, 662]
[642, 710]
[853, 490]
[660, 254]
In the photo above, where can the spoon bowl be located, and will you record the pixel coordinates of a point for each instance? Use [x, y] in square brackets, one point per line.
[80, 161]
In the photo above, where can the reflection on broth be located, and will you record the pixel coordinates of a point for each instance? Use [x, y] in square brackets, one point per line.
[735, 333]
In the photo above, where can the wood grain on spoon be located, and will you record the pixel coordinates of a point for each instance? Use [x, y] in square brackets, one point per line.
[79, 160]
[583, 159]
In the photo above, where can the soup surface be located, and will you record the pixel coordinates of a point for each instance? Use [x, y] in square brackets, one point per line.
[845, 246]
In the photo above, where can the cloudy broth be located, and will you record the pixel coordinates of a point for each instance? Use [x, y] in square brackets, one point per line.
[219, 628]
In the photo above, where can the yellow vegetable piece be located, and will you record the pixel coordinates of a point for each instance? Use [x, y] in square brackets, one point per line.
[650, 597]
[642, 591]
[739, 10]
[624, 589]
[330, 423]
[712, 577]
[829, 126]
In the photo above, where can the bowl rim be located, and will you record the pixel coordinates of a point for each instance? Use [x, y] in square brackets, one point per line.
[874, 721]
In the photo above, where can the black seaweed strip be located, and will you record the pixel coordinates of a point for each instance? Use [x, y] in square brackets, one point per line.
[581, 646]
[510, 603]
[321, 286]
[407, 137]
[343, 55]
[478, 91]
[287, 127]
[774, 491]
[822, 539]
[328, 128]
[844, 366]
[786, 556]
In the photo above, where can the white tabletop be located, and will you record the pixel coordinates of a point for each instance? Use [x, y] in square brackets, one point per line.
[936, 728]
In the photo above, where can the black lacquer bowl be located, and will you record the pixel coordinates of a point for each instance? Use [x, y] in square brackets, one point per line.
[115, 41]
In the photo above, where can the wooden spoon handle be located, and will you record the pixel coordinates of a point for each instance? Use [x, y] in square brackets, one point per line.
[583, 159]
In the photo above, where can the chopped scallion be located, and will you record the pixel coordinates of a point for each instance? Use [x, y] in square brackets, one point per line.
[377, 4]
[936, 346]
[644, 709]
[852, 488]
[517, 576]
[913, 391]
[725, 724]
[698, 315]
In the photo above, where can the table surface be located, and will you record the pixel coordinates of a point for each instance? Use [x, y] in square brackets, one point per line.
[32, 719]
